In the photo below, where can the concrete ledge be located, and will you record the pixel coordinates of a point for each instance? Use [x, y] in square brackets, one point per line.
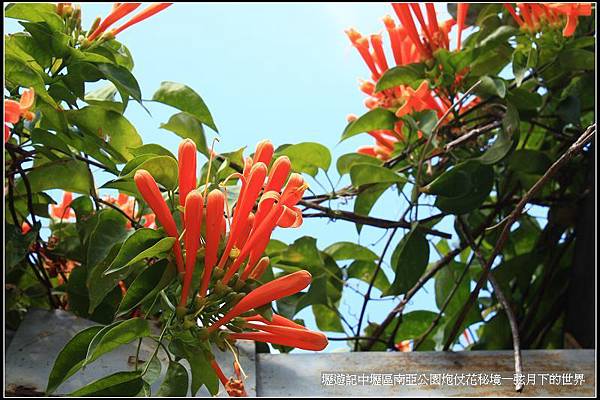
[34, 347]
[473, 373]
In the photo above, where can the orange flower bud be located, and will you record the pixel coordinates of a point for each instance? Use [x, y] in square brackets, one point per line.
[187, 168]
[215, 207]
[115, 15]
[151, 194]
[194, 208]
[264, 152]
[146, 13]
[270, 291]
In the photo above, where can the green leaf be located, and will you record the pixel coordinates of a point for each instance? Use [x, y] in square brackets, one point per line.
[140, 241]
[110, 229]
[164, 169]
[70, 358]
[99, 284]
[147, 285]
[577, 59]
[498, 150]
[202, 372]
[127, 383]
[414, 324]
[35, 12]
[160, 250]
[364, 271]
[307, 157]
[522, 99]
[362, 174]
[530, 161]
[409, 261]
[411, 74]
[378, 118]
[109, 125]
[122, 79]
[66, 174]
[345, 162]
[151, 148]
[445, 281]
[57, 43]
[176, 381]
[462, 188]
[327, 320]
[490, 87]
[188, 127]
[116, 335]
[185, 99]
[367, 198]
[17, 73]
[350, 251]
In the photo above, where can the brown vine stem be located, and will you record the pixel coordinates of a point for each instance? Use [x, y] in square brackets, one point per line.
[512, 320]
[359, 219]
[573, 150]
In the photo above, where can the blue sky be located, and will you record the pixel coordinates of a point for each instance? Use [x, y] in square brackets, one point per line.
[285, 72]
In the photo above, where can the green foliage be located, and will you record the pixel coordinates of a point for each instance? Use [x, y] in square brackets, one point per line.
[531, 96]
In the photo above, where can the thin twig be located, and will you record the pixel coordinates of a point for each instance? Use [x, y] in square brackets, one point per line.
[512, 320]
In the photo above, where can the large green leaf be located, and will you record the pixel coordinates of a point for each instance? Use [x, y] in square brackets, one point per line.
[71, 357]
[116, 335]
[345, 162]
[350, 251]
[141, 240]
[307, 157]
[409, 261]
[462, 188]
[147, 285]
[364, 271]
[176, 381]
[188, 126]
[410, 74]
[65, 173]
[109, 230]
[362, 174]
[127, 383]
[109, 125]
[35, 12]
[378, 118]
[164, 170]
[159, 250]
[327, 319]
[185, 99]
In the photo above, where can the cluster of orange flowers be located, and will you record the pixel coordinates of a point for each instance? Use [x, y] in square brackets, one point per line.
[267, 187]
[408, 46]
[412, 45]
[533, 16]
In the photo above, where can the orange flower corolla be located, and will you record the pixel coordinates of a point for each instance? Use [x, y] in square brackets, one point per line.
[14, 111]
[118, 12]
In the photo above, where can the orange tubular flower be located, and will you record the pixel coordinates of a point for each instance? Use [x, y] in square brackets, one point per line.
[194, 208]
[63, 210]
[282, 331]
[461, 15]
[14, 111]
[116, 14]
[270, 291]
[187, 169]
[282, 335]
[215, 207]
[151, 194]
[248, 195]
[257, 271]
[146, 13]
